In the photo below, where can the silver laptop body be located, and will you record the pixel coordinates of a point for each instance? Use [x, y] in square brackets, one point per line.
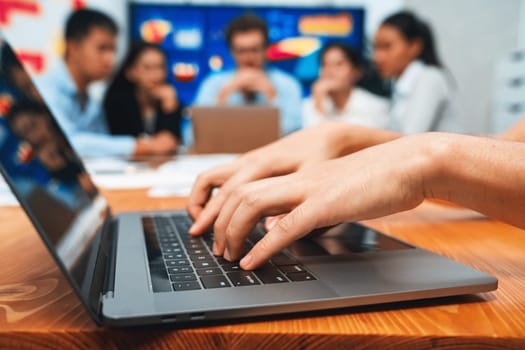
[142, 268]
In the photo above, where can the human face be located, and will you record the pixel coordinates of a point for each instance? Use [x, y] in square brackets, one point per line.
[148, 71]
[51, 158]
[94, 55]
[248, 49]
[393, 52]
[336, 67]
[35, 129]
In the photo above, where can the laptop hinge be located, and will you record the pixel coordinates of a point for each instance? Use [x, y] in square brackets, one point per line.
[103, 275]
[109, 278]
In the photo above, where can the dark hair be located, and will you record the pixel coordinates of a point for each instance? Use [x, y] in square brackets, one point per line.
[32, 108]
[353, 56]
[412, 28]
[122, 109]
[82, 21]
[245, 23]
[120, 82]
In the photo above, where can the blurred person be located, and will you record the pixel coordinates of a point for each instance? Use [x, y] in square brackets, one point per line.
[90, 51]
[31, 122]
[140, 101]
[335, 95]
[308, 185]
[251, 82]
[423, 94]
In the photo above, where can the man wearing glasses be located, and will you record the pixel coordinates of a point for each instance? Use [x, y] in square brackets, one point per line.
[252, 82]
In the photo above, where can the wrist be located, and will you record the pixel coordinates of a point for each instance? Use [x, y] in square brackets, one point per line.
[439, 157]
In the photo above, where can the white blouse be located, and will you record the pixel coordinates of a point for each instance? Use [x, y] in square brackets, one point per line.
[422, 101]
[362, 108]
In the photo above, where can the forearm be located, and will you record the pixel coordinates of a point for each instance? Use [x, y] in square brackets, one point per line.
[484, 174]
[350, 138]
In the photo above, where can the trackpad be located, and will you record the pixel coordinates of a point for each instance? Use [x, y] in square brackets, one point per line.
[342, 239]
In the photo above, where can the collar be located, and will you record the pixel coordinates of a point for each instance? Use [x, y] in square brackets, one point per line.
[405, 84]
[64, 80]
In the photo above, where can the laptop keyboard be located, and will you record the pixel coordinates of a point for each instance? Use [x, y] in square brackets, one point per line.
[180, 262]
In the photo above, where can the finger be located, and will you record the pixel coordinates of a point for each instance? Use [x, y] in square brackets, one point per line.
[299, 222]
[207, 215]
[203, 187]
[256, 200]
[270, 221]
[227, 193]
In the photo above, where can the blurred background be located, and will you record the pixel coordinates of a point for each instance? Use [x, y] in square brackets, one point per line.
[481, 41]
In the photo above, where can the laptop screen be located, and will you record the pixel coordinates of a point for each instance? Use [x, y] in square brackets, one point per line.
[43, 170]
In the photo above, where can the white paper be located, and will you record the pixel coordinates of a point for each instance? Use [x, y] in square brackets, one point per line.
[183, 172]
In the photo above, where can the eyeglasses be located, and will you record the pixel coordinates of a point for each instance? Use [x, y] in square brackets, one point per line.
[248, 50]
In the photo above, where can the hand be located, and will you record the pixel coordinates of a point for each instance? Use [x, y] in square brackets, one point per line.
[248, 80]
[375, 182]
[321, 89]
[309, 146]
[167, 96]
[161, 143]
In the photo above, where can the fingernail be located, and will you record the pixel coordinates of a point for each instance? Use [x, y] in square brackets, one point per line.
[226, 255]
[192, 229]
[215, 249]
[270, 223]
[245, 262]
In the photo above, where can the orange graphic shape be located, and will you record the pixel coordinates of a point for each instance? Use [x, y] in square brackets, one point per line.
[155, 30]
[332, 25]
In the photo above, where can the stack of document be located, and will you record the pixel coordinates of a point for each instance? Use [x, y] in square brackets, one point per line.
[184, 170]
[174, 178]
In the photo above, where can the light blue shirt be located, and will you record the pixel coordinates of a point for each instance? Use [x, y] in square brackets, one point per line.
[288, 96]
[85, 128]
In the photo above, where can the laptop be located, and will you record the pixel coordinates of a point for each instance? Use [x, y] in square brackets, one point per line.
[233, 129]
[141, 268]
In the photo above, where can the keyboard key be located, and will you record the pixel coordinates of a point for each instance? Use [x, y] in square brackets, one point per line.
[204, 264]
[170, 263]
[190, 239]
[231, 266]
[210, 271]
[183, 277]
[177, 286]
[179, 269]
[282, 260]
[270, 274]
[300, 276]
[197, 251]
[242, 278]
[170, 245]
[174, 256]
[198, 245]
[216, 281]
[292, 268]
[221, 260]
[197, 258]
[170, 250]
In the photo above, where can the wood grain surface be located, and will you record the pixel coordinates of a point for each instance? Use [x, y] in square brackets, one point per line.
[39, 311]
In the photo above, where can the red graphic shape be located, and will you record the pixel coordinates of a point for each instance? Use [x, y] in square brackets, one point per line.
[34, 60]
[8, 7]
[78, 4]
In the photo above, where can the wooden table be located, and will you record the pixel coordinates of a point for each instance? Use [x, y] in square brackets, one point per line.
[39, 310]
